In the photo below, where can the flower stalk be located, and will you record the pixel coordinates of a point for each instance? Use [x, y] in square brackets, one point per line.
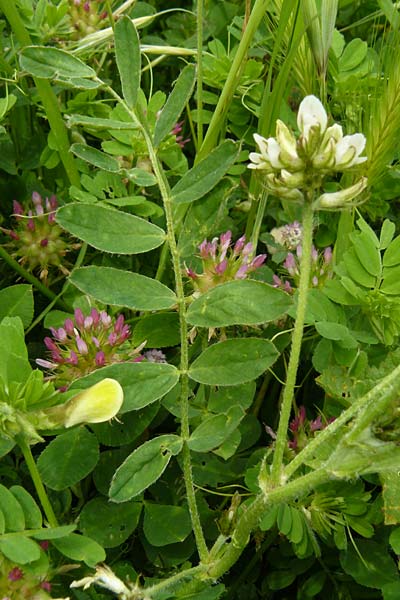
[37, 481]
[288, 392]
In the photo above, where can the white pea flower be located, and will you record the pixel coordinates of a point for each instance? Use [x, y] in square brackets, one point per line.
[268, 157]
[105, 578]
[288, 147]
[311, 115]
[292, 180]
[277, 187]
[292, 165]
[342, 198]
[348, 150]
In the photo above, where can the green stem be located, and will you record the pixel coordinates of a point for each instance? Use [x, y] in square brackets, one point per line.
[31, 278]
[251, 516]
[48, 98]
[184, 362]
[259, 218]
[37, 481]
[288, 393]
[181, 303]
[199, 86]
[232, 80]
[368, 405]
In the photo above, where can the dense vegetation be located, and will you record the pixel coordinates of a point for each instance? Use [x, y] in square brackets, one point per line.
[200, 299]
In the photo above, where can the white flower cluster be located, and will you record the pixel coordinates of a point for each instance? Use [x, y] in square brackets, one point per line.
[292, 165]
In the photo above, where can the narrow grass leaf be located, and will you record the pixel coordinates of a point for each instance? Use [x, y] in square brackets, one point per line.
[108, 229]
[175, 104]
[127, 54]
[122, 288]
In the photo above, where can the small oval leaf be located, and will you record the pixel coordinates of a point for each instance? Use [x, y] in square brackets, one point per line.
[53, 63]
[95, 157]
[68, 458]
[122, 288]
[143, 383]
[143, 467]
[108, 229]
[233, 361]
[175, 104]
[197, 182]
[127, 54]
[245, 302]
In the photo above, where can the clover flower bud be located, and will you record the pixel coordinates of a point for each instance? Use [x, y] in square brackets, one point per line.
[15, 574]
[238, 247]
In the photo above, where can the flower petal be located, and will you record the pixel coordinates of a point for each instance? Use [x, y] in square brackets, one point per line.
[97, 404]
[311, 113]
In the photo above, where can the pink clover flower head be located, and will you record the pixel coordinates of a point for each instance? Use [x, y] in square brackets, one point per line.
[15, 574]
[321, 269]
[37, 241]
[302, 429]
[46, 585]
[223, 261]
[85, 343]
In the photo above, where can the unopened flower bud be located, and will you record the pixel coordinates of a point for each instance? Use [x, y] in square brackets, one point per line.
[342, 198]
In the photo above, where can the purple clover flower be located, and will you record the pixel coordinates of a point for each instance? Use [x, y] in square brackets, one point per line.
[222, 262]
[37, 241]
[321, 269]
[86, 343]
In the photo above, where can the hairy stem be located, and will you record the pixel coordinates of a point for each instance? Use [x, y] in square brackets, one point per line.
[181, 304]
[184, 363]
[288, 392]
[37, 482]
